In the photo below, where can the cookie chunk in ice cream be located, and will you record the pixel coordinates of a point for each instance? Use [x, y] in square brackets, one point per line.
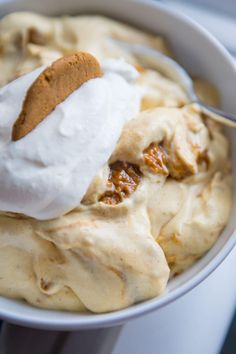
[118, 186]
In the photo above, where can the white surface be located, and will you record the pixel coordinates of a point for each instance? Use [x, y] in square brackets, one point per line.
[194, 324]
[223, 27]
[205, 58]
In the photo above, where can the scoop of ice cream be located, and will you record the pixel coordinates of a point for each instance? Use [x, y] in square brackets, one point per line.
[46, 173]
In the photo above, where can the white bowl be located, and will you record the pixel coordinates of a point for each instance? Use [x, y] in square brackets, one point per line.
[201, 55]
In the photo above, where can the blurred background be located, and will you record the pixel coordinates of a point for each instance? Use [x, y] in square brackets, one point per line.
[219, 17]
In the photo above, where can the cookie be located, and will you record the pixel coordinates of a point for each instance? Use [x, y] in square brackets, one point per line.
[52, 87]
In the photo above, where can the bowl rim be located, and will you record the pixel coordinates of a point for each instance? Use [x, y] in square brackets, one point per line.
[135, 311]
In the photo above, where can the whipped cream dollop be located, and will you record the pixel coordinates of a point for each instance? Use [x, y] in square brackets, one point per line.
[46, 174]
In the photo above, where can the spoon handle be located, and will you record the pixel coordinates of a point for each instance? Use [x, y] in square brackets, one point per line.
[154, 59]
[218, 115]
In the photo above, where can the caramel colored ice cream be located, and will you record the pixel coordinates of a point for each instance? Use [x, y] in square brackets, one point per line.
[155, 207]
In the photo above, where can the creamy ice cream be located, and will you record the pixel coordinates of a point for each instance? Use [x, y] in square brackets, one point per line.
[150, 190]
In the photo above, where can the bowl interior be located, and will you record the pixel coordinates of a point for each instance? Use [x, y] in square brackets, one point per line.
[201, 55]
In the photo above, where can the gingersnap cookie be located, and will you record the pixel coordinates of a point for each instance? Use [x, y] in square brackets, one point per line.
[52, 87]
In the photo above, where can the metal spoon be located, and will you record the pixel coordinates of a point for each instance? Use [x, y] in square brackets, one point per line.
[154, 59]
